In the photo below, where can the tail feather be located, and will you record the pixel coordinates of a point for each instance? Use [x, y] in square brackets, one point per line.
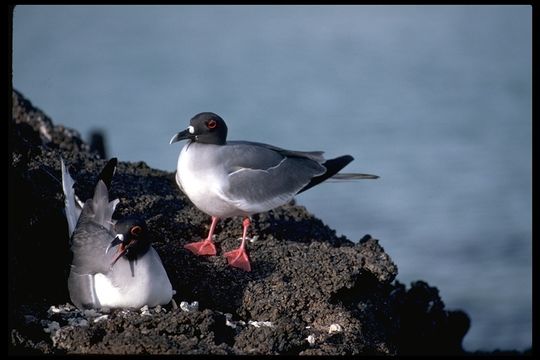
[352, 176]
[333, 166]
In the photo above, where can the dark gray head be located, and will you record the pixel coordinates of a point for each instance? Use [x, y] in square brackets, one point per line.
[132, 238]
[206, 128]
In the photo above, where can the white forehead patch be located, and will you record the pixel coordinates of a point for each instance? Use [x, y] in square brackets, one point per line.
[120, 236]
[191, 129]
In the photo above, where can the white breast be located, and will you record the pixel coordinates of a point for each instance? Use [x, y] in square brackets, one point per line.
[201, 178]
[148, 284]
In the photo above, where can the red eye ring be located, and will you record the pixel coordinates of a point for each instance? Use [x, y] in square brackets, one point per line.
[211, 124]
[136, 230]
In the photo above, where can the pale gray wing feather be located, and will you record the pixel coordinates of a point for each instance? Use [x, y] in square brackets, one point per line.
[102, 208]
[88, 244]
[93, 234]
[71, 202]
[73, 206]
[238, 155]
[262, 178]
[313, 155]
[82, 291]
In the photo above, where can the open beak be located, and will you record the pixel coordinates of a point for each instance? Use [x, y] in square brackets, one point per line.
[122, 249]
[116, 241]
[182, 135]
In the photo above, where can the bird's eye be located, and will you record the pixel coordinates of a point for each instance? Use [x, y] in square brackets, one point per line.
[136, 230]
[211, 124]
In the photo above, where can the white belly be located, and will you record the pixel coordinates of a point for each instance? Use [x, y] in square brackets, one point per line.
[148, 284]
[203, 185]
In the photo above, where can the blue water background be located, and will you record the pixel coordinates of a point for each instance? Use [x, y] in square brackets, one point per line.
[434, 99]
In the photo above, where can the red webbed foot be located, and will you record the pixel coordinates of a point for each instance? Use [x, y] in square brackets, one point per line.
[238, 258]
[205, 247]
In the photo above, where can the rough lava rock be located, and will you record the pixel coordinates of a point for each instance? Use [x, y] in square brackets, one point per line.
[310, 292]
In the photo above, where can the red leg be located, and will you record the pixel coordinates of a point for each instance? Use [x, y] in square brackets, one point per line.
[205, 247]
[239, 257]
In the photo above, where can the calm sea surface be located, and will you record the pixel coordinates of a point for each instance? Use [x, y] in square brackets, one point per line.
[434, 99]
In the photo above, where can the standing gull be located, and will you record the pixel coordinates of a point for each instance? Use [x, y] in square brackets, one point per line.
[241, 178]
[130, 277]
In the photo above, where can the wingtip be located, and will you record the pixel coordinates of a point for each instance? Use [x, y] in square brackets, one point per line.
[108, 171]
[343, 160]
[70, 199]
[349, 158]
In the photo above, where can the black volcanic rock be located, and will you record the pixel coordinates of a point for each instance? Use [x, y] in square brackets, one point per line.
[306, 282]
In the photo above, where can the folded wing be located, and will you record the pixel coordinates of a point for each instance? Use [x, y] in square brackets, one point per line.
[263, 177]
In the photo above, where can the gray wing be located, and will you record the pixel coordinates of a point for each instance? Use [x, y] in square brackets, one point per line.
[88, 244]
[102, 207]
[82, 291]
[72, 203]
[93, 234]
[262, 177]
[313, 155]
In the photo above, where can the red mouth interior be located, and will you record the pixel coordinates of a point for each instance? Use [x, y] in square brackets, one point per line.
[120, 252]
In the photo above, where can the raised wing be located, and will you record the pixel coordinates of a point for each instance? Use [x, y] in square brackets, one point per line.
[72, 205]
[89, 242]
[93, 233]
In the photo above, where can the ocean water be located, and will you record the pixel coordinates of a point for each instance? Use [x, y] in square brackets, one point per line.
[435, 99]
